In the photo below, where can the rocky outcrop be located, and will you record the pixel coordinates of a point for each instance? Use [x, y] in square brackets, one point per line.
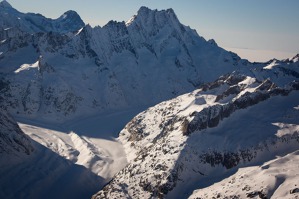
[13, 142]
[211, 116]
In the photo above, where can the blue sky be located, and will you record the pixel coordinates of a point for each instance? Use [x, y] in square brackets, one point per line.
[265, 28]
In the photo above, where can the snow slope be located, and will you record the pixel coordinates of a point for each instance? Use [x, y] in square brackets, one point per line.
[30, 170]
[51, 161]
[104, 157]
[45, 174]
[277, 178]
[199, 138]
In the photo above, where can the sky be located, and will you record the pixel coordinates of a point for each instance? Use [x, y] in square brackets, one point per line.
[257, 30]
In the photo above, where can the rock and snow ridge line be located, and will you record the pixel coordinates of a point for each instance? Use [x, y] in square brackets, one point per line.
[13, 21]
[175, 146]
[118, 66]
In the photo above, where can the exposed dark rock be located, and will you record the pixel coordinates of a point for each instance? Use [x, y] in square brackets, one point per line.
[296, 190]
[135, 129]
[234, 79]
[233, 90]
[253, 194]
[12, 139]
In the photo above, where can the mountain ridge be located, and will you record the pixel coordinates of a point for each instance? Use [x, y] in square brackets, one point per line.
[125, 60]
[174, 147]
[34, 23]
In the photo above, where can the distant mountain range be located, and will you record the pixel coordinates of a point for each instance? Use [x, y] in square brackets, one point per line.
[212, 112]
[50, 68]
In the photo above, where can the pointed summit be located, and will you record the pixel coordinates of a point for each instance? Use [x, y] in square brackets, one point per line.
[5, 4]
[70, 14]
[152, 22]
[69, 21]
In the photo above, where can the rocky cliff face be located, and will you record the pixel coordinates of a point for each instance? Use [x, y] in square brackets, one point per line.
[238, 120]
[13, 142]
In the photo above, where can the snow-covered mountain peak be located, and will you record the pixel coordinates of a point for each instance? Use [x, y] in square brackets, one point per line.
[70, 13]
[148, 18]
[72, 16]
[5, 4]
[153, 47]
[70, 21]
[144, 10]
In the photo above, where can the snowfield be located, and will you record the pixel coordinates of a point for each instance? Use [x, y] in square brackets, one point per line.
[66, 163]
[276, 179]
[102, 157]
[90, 142]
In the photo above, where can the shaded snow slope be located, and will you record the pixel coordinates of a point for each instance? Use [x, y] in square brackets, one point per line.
[198, 138]
[103, 157]
[63, 164]
[30, 170]
[45, 174]
[277, 178]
